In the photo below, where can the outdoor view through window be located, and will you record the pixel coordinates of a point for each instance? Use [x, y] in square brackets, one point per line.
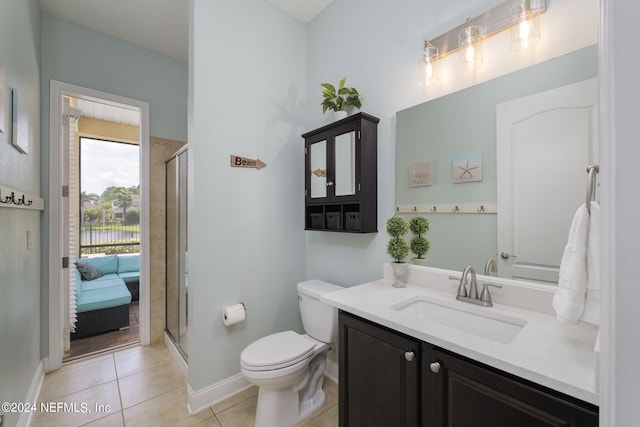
[109, 197]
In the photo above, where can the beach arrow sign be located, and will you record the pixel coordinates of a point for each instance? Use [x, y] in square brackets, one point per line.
[245, 162]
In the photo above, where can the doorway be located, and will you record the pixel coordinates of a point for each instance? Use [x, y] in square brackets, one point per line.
[58, 271]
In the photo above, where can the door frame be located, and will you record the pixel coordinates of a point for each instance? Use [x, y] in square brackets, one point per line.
[58, 89]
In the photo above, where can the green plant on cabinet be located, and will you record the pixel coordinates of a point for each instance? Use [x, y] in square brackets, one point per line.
[338, 100]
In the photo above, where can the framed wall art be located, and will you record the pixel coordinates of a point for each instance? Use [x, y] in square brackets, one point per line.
[20, 137]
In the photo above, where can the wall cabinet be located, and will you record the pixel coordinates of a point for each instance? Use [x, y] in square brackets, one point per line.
[387, 378]
[341, 175]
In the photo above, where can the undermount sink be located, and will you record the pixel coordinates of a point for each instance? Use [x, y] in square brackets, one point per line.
[479, 322]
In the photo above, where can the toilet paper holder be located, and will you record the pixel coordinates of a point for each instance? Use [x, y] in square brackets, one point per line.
[234, 314]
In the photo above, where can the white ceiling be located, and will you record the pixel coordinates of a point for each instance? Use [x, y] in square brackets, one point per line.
[158, 25]
[108, 113]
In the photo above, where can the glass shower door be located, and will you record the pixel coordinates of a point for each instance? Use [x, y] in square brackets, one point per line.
[177, 251]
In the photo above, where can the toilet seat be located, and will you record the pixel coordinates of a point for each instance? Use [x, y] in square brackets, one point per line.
[277, 351]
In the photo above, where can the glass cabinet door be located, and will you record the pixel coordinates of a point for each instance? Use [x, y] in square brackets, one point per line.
[318, 169]
[345, 164]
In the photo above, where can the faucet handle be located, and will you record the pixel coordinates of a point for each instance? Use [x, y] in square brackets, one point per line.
[485, 296]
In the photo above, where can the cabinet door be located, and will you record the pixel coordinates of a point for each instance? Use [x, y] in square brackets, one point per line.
[464, 394]
[318, 169]
[345, 164]
[378, 376]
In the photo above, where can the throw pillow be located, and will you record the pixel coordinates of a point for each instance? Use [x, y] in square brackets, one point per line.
[87, 271]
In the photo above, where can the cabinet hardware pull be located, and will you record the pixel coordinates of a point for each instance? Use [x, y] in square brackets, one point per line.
[409, 356]
[435, 367]
[329, 184]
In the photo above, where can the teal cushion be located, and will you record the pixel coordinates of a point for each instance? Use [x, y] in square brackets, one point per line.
[103, 298]
[104, 264]
[130, 277]
[92, 285]
[87, 271]
[128, 263]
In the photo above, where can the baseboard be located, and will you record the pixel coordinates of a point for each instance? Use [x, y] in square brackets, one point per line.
[32, 394]
[332, 371]
[182, 364]
[208, 396]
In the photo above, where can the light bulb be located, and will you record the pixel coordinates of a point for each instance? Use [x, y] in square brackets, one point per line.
[469, 56]
[429, 71]
[524, 33]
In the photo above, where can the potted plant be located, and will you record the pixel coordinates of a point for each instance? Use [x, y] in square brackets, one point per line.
[419, 245]
[398, 248]
[338, 100]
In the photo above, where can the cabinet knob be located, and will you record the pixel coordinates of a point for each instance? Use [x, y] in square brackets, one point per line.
[329, 184]
[435, 367]
[409, 356]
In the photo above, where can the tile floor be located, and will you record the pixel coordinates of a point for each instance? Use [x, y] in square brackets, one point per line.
[143, 386]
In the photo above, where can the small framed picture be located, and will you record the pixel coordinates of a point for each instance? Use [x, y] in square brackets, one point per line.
[467, 168]
[20, 138]
[420, 174]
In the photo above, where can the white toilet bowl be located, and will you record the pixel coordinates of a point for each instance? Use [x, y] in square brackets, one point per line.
[289, 367]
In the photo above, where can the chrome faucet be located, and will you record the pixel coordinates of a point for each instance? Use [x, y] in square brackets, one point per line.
[472, 295]
[490, 267]
[473, 285]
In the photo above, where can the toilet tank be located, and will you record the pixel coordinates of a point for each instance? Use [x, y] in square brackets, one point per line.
[320, 320]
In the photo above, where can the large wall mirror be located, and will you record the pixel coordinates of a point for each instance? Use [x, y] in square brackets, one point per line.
[463, 126]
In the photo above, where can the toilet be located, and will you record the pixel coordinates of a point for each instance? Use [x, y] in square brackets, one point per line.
[289, 367]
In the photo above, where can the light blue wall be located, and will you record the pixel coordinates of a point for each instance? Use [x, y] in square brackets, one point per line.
[246, 240]
[19, 266]
[77, 55]
[377, 47]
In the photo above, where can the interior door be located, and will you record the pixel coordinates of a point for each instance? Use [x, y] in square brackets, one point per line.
[544, 144]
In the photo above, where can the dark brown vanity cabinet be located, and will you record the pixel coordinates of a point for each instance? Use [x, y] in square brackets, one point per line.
[341, 175]
[379, 376]
[389, 379]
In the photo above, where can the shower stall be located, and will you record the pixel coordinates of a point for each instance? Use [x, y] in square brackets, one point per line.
[177, 248]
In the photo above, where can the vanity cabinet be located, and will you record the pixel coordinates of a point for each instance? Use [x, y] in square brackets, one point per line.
[379, 375]
[387, 378]
[341, 174]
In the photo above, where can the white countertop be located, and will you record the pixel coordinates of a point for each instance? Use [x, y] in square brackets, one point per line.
[546, 351]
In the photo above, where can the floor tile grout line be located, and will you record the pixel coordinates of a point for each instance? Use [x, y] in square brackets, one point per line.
[115, 365]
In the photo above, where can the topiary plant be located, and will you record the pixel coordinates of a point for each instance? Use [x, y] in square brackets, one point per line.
[340, 99]
[419, 245]
[397, 246]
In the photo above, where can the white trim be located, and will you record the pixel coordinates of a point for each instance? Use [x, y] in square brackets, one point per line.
[208, 396]
[607, 370]
[182, 364]
[56, 91]
[32, 395]
[332, 371]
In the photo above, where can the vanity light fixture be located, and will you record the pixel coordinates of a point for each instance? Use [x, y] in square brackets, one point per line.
[521, 17]
[430, 56]
[470, 43]
[525, 28]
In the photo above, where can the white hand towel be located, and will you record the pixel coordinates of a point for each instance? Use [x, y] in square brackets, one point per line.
[592, 304]
[568, 301]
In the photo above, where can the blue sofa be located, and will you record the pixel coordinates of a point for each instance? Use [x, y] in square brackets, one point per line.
[105, 287]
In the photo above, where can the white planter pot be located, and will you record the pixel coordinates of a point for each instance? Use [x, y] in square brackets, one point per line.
[419, 261]
[400, 273]
[339, 115]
